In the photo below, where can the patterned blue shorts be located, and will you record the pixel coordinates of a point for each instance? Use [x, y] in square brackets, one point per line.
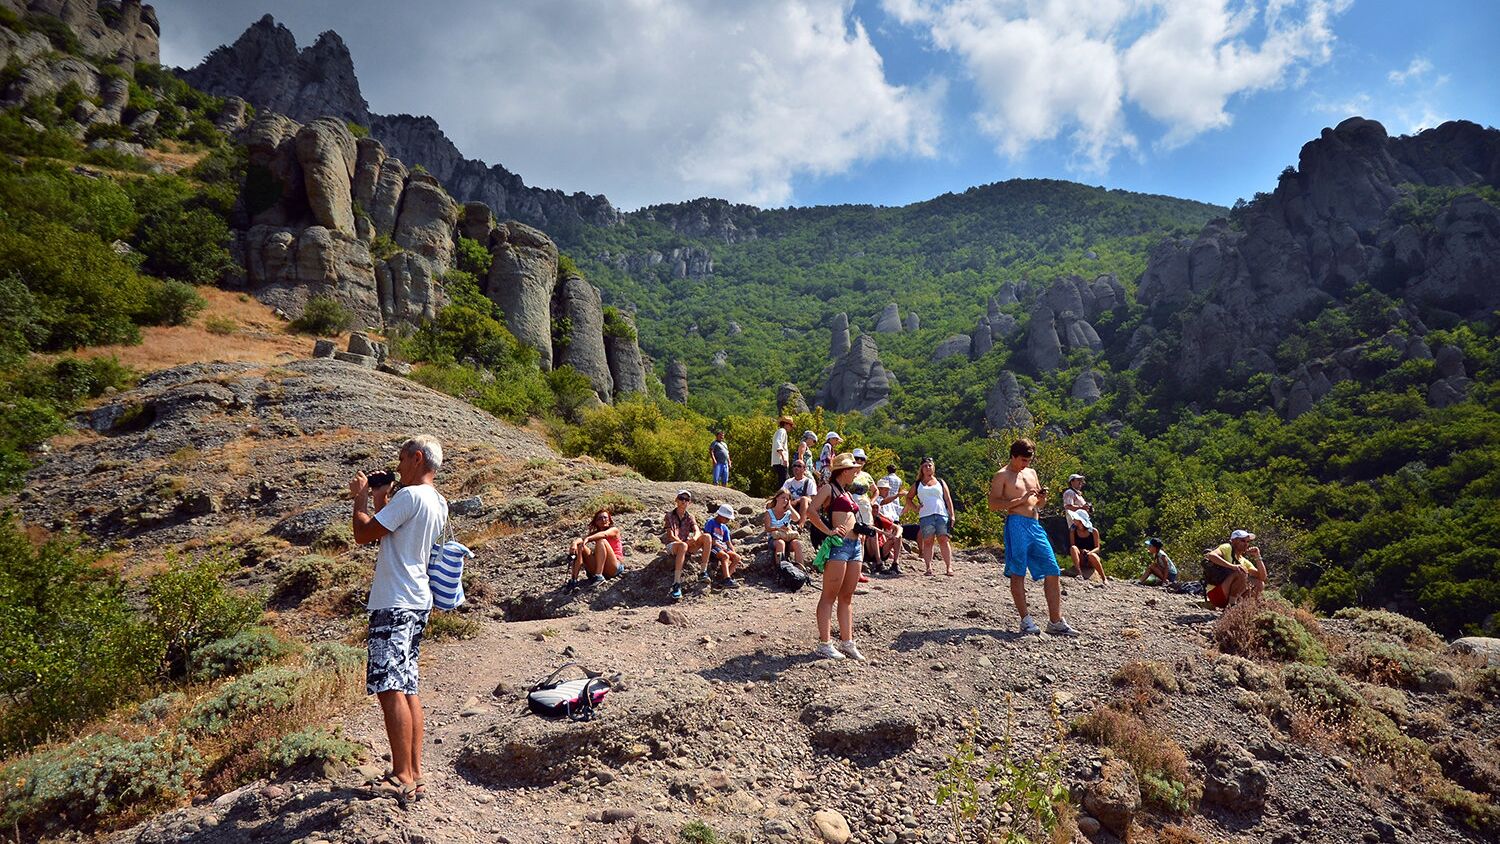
[394, 643]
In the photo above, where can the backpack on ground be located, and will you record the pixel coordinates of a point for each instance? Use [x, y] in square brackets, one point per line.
[788, 575]
[571, 699]
[445, 569]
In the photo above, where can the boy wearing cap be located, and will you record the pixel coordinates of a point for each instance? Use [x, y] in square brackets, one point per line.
[1016, 491]
[801, 487]
[721, 550]
[1161, 567]
[681, 538]
[1234, 570]
[780, 456]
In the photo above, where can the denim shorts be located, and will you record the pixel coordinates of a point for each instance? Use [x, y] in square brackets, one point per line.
[934, 525]
[849, 552]
[721, 474]
[394, 644]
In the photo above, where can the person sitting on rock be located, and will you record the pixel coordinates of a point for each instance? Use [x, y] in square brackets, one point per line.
[889, 501]
[801, 488]
[1073, 500]
[721, 552]
[782, 522]
[1083, 546]
[888, 528]
[599, 552]
[1234, 570]
[1161, 567]
[681, 537]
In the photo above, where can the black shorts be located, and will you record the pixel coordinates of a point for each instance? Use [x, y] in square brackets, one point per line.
[780, 472]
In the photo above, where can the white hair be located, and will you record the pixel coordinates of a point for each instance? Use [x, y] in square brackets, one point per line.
[431, 449]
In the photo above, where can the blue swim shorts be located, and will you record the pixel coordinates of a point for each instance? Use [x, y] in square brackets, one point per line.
[1027, 549]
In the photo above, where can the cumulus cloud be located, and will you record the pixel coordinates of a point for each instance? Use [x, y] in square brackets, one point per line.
[1418, 68]
[1048, 67]
[643, 100]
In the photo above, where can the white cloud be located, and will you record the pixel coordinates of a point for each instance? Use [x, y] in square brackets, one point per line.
[1045, 67]
[659, 100]
[1418, 68]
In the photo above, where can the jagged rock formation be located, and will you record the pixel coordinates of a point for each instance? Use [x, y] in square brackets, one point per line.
[627, 366]
[305, 239]
[720, 359]
[857, 381]
[683, 261]
[1330, 224]
[677, 385]
[579, 303]
[789, 399]
[1059, 319]
[913, 322]
[889, 321]
[130, 31]
[1005, 405]
[958, 344]
[523, 275]
[1088, 387]
[838, 340]
[265, 68]
[714, 219]
[983, 339]
[1296, 392]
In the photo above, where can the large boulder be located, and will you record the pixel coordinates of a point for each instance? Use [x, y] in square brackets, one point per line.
[626, 366]
[1005, 406]
[278, 197]
[327, 154]
[789, 399]
[476, 222]
[1043, 346]
[862, 726]
[579, 303]
[425, 223]
[838, 340]
[858, 381]
[1114, 798]
[521, 281]
[889, 321]
[1086, 387]
[958, 344]
[1232, 777]
[912, 321]
[410, 287]
[677, 382]
[367, 163]
[286, 267]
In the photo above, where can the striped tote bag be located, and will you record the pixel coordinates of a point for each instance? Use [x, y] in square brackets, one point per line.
[445, 570]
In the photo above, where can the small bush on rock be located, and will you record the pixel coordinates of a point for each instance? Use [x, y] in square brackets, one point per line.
[617, 503]
[1160, 764]
[323, 316]
[268, 691]
[158, 708]
[244, 651]
[524, 510]
[81, 782]
[310, 573]
[1393, 625]
[1386, 663]
[308, 746]
[1285, 639]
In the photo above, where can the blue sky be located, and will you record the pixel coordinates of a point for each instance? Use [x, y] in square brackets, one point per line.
[807, 102]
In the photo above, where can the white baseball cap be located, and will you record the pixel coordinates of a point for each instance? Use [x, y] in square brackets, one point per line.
[1242, 534]
[725, 512]
[1074, 477]
[859, 454]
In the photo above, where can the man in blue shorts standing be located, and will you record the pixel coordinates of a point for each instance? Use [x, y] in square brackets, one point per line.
[1016, 491]
[718, 452]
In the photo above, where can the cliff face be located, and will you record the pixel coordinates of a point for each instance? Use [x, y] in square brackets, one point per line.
[265, 67]
[1348, 215]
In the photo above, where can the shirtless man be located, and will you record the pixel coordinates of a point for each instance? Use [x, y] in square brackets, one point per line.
[1016, 491]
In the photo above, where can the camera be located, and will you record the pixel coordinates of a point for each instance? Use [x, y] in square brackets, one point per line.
[381, 478]
[859, 489]
[864, 530]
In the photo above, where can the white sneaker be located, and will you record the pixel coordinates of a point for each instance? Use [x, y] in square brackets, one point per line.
[1029, 628]
[1061, 627]
[851, 650]
[826, 650]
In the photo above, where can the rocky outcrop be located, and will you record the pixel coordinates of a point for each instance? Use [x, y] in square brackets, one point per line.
[1297, 391]
[1059, 323]
[681, 262]
[789, 399]
[857, 381]
[626, 364]
[710, 219]
[579, 303]
[889, 320]
[522, 276]
[425, 223]
[958, 344]
[838, 339]
[1005, 406]
[912, 322]
[326, 154]
[285, 267]
[129, 32]
[1087, 387]
[266, 68]
[1335, 221]
[677, 382]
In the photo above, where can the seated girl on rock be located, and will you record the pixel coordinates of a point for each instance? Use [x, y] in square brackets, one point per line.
[782, 526]
[599, 552]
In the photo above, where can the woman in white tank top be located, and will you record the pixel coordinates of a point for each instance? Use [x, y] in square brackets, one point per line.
[935, 515]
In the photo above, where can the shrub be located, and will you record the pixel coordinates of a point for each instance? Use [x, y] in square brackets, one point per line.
[451, 625]
[616, 325]
[87, 295]
[86, 780]
[158, 708]
[270, 690]
[172, 303]
[70, 645]
[1386, 663]
[189, 607]
[1270, 629]
[473, 258]
[1002, 794]
[1285, 639]
[1155, 757]
[339, 659]
[310, 746]
[222, 326]
[1392, 625]
[338, 536]
[191, 244]
[525, 510]
[382, 248]
[662, 443]
[617, 503]
[309, 573]
[323, 315]
[518, 395]
[244, 651]
[1321, 690]
[1148, 680]
[697, 832]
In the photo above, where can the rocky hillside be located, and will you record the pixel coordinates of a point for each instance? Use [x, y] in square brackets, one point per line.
[265, 68]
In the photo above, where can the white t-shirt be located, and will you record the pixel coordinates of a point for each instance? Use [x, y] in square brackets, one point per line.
[930, 496]
[778, 447]
[1072, 498]
[415, 516]
[805, 488]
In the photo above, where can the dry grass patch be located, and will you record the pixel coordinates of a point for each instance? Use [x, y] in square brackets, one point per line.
[1145, 682]
[1160, 764]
